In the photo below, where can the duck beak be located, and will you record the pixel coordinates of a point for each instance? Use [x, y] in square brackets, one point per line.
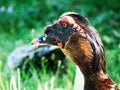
[44, 40]
[51, 37]
[39, 41]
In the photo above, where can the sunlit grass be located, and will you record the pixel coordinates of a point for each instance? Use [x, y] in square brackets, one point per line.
[47, 82]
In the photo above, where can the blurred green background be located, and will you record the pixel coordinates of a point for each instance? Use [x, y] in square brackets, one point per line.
[23, 20]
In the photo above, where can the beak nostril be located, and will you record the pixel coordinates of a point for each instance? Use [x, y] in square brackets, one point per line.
[47, 29]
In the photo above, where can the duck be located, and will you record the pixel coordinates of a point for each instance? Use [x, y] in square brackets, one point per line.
[80, 41]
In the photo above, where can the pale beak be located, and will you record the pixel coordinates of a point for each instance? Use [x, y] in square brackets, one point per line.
[39, 41]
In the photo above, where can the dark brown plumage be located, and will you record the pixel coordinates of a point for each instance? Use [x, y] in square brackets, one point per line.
[81, 42]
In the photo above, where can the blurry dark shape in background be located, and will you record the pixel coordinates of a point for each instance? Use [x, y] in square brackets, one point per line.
[44, 56]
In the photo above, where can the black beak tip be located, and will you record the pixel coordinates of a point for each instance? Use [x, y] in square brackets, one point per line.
[35, 41]
[31, 43]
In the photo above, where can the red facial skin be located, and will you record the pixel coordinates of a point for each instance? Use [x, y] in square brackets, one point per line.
[70, 21]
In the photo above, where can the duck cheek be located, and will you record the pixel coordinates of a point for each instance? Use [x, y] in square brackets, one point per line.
[60, 44]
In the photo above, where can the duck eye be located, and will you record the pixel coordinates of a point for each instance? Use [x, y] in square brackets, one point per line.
[64, 24]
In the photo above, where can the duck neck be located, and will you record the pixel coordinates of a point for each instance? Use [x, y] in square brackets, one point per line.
[95, 80]
[88, 53]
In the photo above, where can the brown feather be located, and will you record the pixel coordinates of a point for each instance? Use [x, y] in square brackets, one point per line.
[78, 48]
